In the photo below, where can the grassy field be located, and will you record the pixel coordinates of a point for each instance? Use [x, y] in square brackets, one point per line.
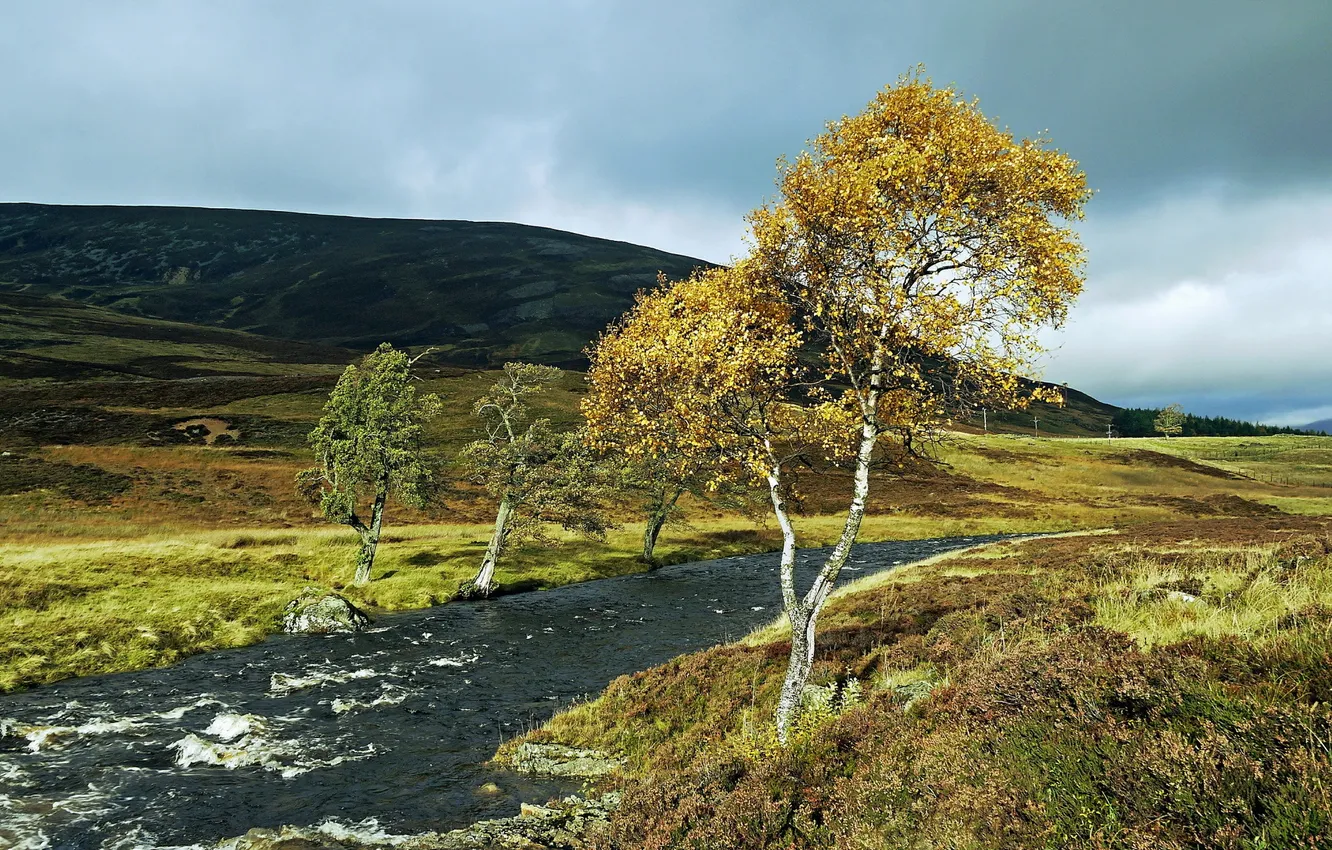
[1165, 686]
[120, 556]
[1292, 460]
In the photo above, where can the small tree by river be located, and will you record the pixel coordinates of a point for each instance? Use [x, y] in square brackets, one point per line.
[368, 446]
[536, 474]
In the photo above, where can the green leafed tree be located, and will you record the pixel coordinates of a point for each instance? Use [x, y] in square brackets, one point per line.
[368, 446]
[538, 475]
[1170, 421]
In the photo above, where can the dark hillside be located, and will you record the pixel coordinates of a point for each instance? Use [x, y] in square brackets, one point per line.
[1079, 416]
[484, 292]
[55, 340]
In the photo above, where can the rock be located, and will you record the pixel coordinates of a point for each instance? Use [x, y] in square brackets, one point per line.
[1181, 596]
[490, 789]
[530, 810]
[468, 592]
[317, 613]
[561, 825]
[559, 760]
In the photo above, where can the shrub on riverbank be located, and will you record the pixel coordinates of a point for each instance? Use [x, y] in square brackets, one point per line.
[1143, 691]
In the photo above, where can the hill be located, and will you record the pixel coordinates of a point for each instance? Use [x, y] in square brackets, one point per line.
[483, 292]
[56, 340]
[317, 285]
[1324, 425]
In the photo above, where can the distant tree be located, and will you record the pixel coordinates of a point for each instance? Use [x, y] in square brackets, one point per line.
[537, 474]
[368, 446]
[1170, 421]
[900, 279]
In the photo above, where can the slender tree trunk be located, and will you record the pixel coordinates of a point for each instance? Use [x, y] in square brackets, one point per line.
[369, 542]
[798, 665]
[658, 513]
[484, 583]
[803, 613]
[802, 644]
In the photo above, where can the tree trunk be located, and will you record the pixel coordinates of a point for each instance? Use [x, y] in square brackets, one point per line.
[804, 613]
[798, 666]
[369, 542]
[658, 513]
[484, 582]
[802, 644]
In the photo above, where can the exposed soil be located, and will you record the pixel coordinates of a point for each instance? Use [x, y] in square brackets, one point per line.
[209, 429]
[1146, 457]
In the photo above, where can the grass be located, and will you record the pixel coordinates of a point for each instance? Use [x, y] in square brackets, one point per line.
[1254, 594]
[1287, 459]
[79, 608]
[1166, 686]
[202, 546]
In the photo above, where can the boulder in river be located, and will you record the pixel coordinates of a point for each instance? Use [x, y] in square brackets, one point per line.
[316, 612]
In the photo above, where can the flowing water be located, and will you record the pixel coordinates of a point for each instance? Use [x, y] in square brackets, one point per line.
[386, 730]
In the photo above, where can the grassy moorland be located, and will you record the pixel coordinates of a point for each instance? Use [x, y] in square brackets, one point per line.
[121, 556]
[147, 506]
[1166, 686]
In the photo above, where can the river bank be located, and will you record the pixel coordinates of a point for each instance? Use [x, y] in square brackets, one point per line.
[1166, 686]
[398, 724]
[89, 607]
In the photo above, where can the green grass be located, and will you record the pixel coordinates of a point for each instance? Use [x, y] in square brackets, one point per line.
[79, 608]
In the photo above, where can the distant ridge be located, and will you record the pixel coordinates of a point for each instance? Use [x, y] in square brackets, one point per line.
[1324, 425]
[483, 292]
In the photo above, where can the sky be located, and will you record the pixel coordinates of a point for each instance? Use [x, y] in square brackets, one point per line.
[1203, 125]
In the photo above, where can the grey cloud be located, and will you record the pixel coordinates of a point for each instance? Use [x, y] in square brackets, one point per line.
[679, 100]
[1202, 124]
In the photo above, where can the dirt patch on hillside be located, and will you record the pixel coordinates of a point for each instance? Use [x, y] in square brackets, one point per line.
[1145, 457]
[209, 429]
[1217, 504]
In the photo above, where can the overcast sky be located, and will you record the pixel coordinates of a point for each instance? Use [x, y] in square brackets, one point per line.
[1204, 125]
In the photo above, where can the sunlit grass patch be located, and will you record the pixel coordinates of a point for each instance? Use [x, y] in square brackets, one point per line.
[1299, 505]
[1252, 595]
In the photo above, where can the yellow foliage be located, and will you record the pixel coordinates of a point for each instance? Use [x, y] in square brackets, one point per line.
[900, 278]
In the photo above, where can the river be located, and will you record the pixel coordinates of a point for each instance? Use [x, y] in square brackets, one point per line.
[386, 730]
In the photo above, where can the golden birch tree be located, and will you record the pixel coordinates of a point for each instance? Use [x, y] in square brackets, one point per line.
[900, 278]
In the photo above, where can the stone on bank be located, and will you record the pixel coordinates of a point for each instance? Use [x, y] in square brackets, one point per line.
[317, 612]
